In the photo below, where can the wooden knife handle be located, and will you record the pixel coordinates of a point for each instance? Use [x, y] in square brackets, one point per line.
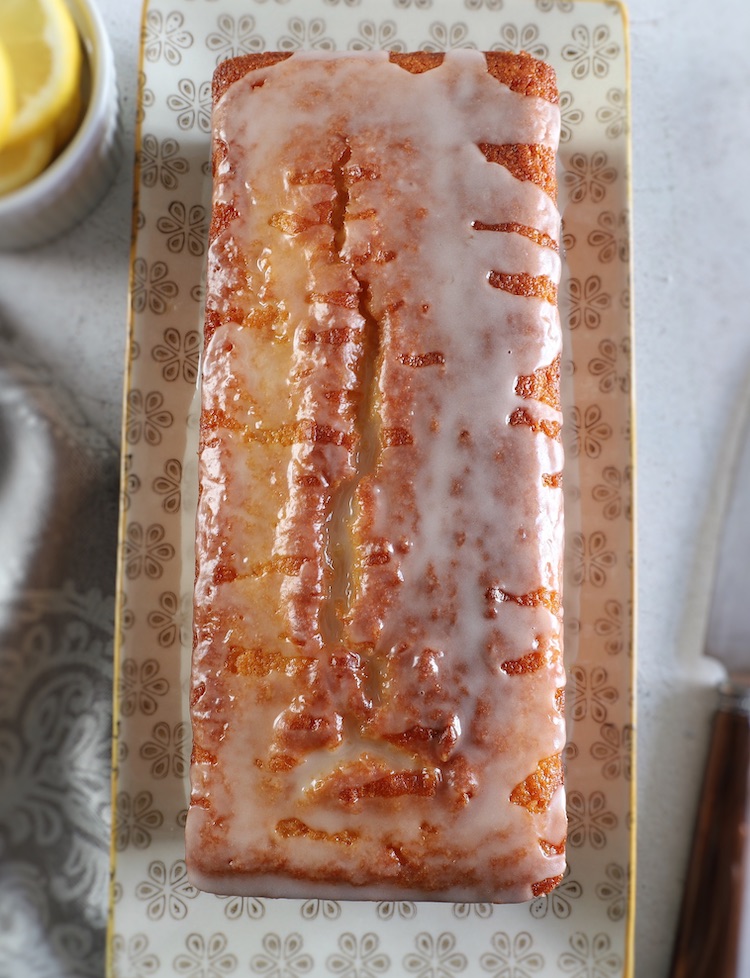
[708, 936]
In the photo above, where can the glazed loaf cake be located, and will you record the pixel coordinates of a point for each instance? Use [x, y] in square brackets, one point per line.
[377, 672]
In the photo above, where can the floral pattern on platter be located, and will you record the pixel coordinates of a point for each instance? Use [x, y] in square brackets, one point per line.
[587, 300]
[611, 238]
[234, 37]
[159, 162]
[614, 891]
[589, 431]
[167, 891]
[135, 819]
[141, 686]
[165, 37]
[526, 38]
[614, 751]
[512, 955]
[558, 902]
[191, 104]
[590, 956]
[236, 907]
[169, 620]
[435, 956]
[545, 6]
[184, 228]
[446, 37]
[179, 353]
[589, 820]
[591, 559]
[614, 492]
[328, 909]
[306, 34]
[610, 370]
[358, 957]
[146, 417]
[131, 483]
[613, 627]
[169, 485]
[376, 37]
[614, 113]
[205, 957]
[146, 550]
[132, 956]
[570, 116]
[590, 51]
[589, 694]
[479, 4]
[282, 956]
[588, 176]
[167, 750]
[463, 910]
[152, 289]
[580, 928]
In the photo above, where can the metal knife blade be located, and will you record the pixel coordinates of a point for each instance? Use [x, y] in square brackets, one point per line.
[728, 633]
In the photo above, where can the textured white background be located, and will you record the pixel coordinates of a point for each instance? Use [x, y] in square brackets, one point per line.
[691, 146]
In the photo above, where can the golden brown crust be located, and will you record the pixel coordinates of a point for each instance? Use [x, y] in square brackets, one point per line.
[524, 74]
[521, 72]
[532, 286]
[526, 162]
[521, 416]
[417, 61]
[513, 227]
[535, 792]
[383, 858]
[543, 385]
[546, 885]
[232, 70]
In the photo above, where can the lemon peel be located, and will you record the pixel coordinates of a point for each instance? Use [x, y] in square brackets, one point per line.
[42, 44]
[7, 95]
[22, 161]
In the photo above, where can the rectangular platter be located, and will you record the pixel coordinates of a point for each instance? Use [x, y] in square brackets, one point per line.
[158, 923]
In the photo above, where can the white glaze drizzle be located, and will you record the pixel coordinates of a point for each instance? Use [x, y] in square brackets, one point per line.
[451, 606]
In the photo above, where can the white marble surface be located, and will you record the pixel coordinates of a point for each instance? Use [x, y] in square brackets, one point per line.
[691, 145]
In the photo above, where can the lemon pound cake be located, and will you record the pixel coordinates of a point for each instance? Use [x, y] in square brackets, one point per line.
[377, 670]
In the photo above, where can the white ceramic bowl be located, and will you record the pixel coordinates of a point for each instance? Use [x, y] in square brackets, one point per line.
[75, 182]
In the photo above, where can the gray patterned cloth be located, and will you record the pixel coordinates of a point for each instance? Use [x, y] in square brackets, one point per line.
[58, 530]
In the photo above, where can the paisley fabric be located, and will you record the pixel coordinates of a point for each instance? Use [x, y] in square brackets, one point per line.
[58, 529]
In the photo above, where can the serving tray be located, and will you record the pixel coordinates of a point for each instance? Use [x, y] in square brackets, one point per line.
[160, 925]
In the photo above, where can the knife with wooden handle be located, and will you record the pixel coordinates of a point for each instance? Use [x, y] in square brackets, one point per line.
[713, 938]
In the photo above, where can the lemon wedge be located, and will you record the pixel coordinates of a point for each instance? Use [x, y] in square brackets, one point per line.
[42, 45]
[22, 161]
[7, 95]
